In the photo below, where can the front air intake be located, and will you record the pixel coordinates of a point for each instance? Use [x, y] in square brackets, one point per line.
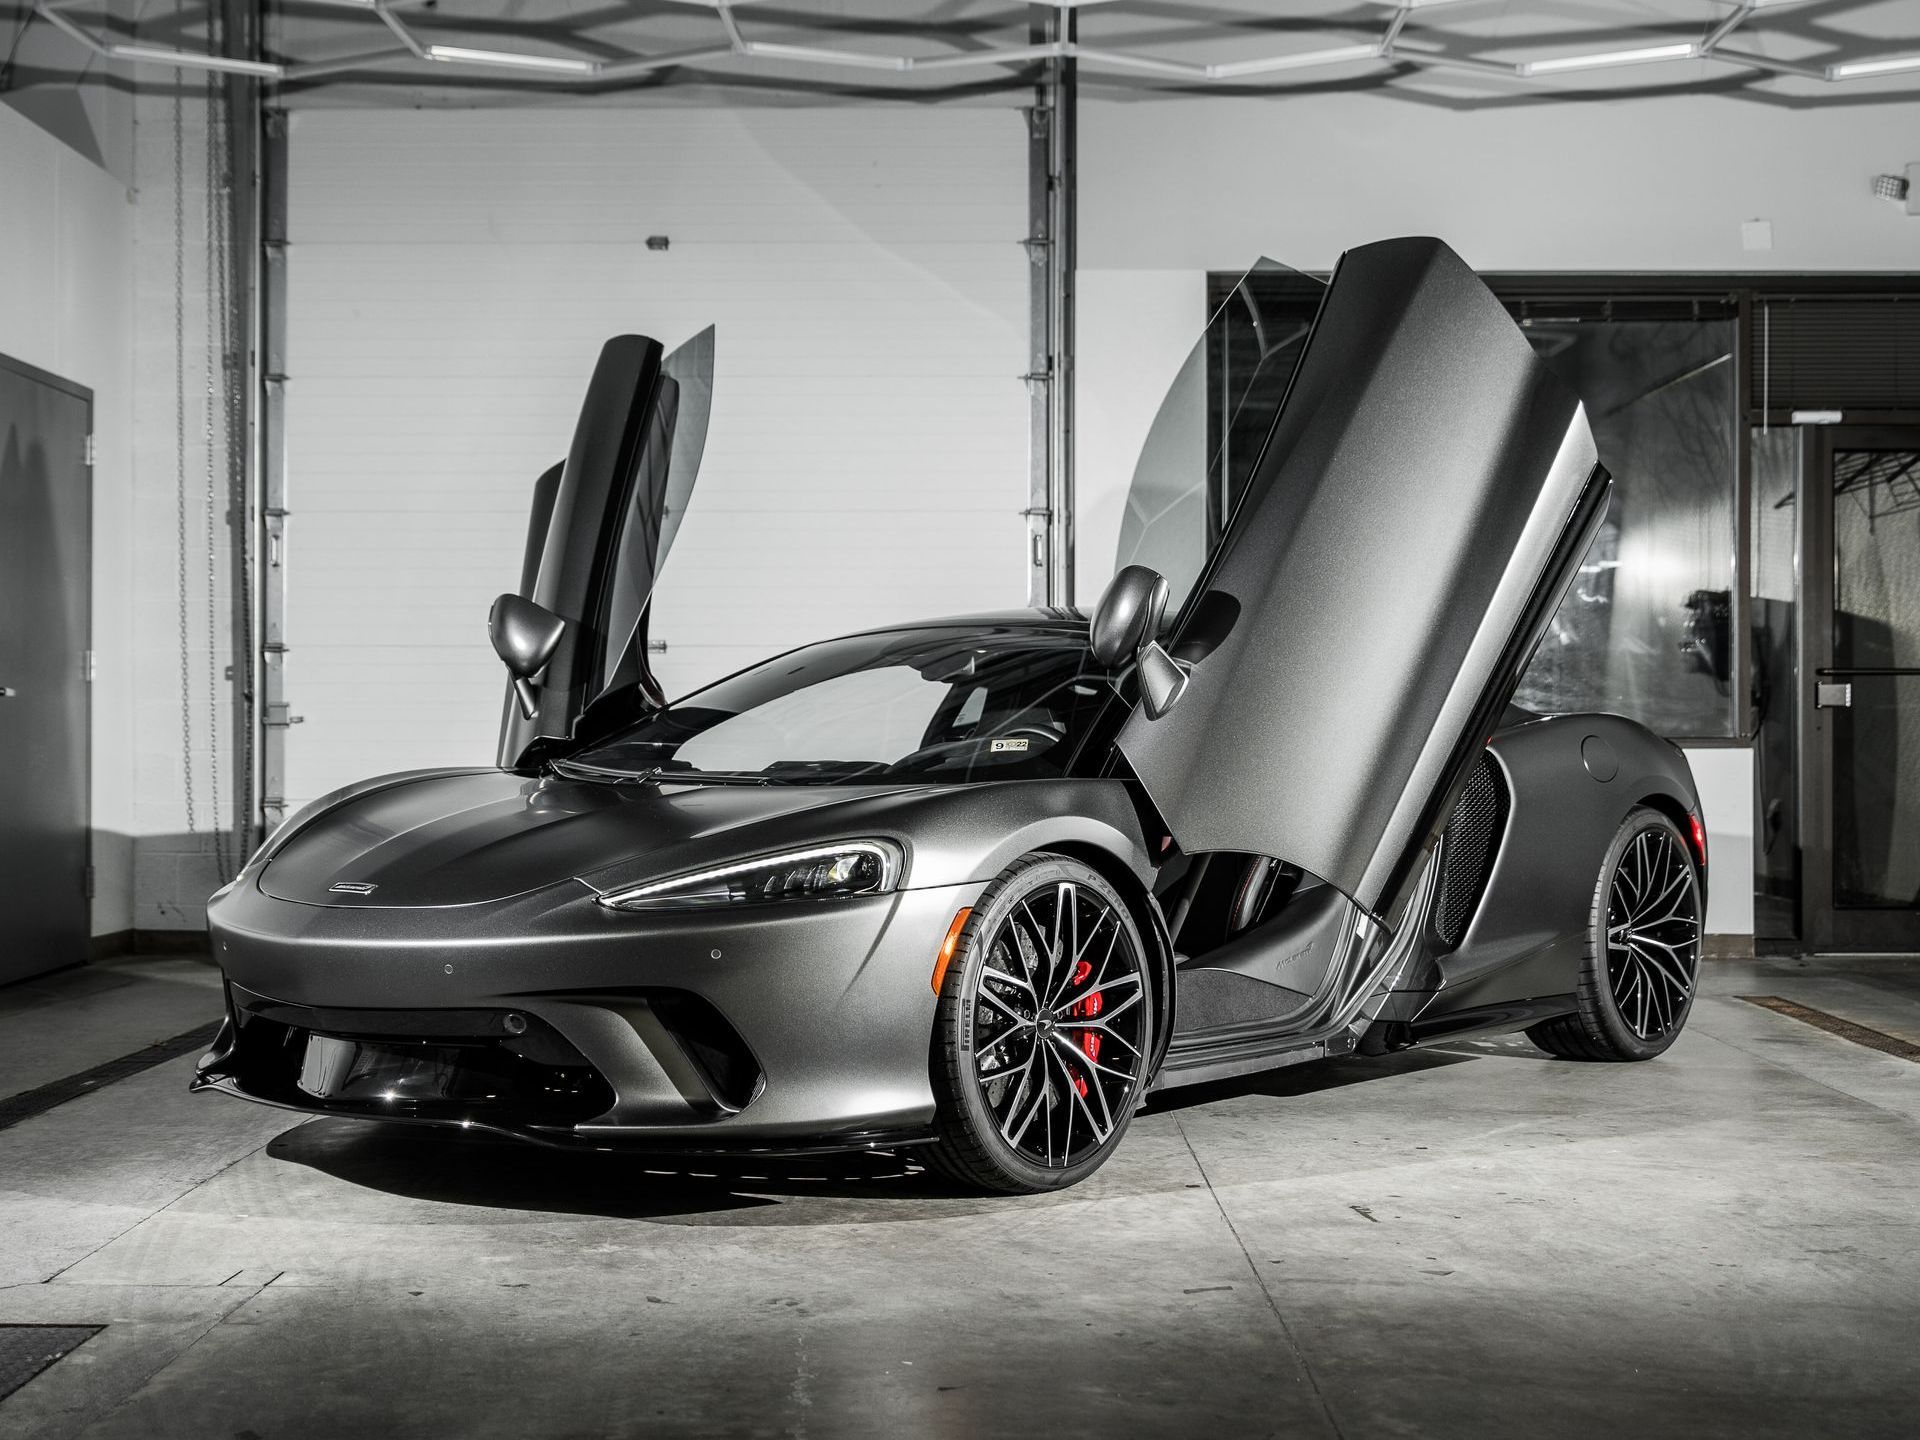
[1467, 848]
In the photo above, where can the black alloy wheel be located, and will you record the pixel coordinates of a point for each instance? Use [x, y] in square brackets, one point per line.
[1043, 1030]
[1643, 949]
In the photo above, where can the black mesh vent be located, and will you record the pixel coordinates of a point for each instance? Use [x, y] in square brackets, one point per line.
[1467, 851]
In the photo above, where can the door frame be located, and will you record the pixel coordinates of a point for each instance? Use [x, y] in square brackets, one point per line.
[1822, 927]
[85, 396]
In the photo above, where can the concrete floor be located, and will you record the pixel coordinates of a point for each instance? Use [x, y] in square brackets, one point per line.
[1470, 1242]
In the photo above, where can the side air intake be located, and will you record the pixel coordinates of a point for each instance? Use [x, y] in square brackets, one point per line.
[1467, 849]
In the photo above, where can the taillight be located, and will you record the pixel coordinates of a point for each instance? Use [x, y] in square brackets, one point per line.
[1699, 840]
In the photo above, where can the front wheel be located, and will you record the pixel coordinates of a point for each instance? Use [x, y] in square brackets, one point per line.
[1643, 949]
[1043, 1030]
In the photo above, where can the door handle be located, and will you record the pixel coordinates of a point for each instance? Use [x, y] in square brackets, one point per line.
[7, 692]
[1832, 695]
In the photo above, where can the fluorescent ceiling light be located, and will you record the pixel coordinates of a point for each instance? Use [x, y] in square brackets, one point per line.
[1852, 69]
[771, 50]
[189, 60]
[1687, 51]
[460, 55]
[1337, 55]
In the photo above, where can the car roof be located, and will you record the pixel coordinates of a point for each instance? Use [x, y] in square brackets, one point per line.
[1051, 620]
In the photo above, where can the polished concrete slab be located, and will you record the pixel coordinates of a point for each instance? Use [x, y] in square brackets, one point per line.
[1474, 1241]
[58, 1025]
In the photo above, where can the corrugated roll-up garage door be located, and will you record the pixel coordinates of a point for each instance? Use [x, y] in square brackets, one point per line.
[452, 276]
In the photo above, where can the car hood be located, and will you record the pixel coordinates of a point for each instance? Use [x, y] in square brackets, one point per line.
[470, 837]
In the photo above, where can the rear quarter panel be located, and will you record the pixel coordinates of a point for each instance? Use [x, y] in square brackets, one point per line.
[1527, 937]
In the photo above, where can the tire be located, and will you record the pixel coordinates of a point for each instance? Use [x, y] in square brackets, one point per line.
[1055, 1097]
[1642, 958]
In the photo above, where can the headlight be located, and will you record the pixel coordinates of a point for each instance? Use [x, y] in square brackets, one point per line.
[822, 872]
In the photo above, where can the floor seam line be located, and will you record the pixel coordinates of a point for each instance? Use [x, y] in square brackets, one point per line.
[153, 1214]
[147, 1379]
[1769, 1061]
[1286, 1330]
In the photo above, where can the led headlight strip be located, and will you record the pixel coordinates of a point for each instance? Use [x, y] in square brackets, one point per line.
[820, 872]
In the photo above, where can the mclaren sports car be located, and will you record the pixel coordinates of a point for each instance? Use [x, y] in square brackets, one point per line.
[981, 886]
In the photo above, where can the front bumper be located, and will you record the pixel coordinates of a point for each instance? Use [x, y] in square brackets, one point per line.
[551, 1018]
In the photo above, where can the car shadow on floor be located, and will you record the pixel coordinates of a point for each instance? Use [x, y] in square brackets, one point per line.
[419, 1163]
[455, 1169]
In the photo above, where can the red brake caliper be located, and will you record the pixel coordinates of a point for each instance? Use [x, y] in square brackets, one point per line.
[1085, 1009]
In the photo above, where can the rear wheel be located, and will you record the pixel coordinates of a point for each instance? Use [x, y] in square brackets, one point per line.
[1043, 1030]
[1643, 949]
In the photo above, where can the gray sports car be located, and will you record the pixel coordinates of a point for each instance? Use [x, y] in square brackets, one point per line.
[981, 885]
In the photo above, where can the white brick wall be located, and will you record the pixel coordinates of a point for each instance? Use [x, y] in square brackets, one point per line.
[453, 275]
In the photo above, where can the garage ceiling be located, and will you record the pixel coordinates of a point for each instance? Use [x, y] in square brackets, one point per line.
[1457, 52]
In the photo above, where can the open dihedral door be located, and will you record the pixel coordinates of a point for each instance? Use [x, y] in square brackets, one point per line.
[1421, 504]
[600, 528]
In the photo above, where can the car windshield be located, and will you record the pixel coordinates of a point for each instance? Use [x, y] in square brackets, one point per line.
[942, 705]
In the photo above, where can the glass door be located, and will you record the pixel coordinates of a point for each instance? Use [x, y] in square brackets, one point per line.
[1860, 714]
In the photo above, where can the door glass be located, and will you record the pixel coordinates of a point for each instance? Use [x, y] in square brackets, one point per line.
[1876, 635]
[1209, 429]
[668, 463]
[1774, 574]
[1647, 629]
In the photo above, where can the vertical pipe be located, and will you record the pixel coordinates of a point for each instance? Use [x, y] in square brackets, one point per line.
[241, 22]
[271, 536]
[1039, 511]
[1051, 217]
[1063, 257]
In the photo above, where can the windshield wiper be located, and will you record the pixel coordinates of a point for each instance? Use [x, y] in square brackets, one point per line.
[582, 770]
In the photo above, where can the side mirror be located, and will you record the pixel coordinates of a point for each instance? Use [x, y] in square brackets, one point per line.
[524, 636]
[1126, 626]
[1128, 615]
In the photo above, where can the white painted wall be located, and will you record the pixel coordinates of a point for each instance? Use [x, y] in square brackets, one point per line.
[1171, 189]
[1725, 777]
[176, 851]
[453, 275]
[1653, 184]
[66, 281]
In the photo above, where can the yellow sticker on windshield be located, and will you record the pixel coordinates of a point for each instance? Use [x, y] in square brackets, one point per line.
[1000, 745]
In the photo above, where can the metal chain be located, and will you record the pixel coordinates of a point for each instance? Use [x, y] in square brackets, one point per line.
[180, 447]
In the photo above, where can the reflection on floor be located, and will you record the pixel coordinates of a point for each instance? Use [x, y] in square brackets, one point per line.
[1474, 1241]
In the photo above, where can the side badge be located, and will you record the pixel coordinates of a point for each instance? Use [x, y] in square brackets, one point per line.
[351, 887]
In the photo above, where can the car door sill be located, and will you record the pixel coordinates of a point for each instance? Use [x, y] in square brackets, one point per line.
[1231, 1051]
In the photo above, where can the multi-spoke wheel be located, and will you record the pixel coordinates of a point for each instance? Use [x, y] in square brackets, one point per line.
[1043, 1030]
[1643, 949]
